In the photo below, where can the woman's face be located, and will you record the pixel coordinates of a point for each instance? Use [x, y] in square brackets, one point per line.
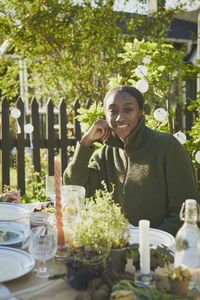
[122, 113]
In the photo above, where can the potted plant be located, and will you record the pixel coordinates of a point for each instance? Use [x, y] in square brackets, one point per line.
[179, 279]
[102, 221]
[101, 228]
[160, 256]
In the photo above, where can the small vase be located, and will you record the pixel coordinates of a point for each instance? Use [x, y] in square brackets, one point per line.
[117, 259]
[81, 271]
[179, 287]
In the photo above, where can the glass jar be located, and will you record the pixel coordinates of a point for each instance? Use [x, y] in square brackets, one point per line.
[72, 199]
[41, 219]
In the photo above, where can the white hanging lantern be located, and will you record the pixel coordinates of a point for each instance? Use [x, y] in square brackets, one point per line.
[56, 126]
[28, 128]
[16, 113]
[160, 114]
[142, 85]
[181, 137]
[197, 157]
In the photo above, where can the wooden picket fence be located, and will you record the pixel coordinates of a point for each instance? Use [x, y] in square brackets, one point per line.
[51, 142]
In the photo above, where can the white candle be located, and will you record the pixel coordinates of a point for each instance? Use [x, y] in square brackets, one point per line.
[144, 246]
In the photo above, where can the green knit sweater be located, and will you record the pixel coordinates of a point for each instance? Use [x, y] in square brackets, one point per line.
[152, 175]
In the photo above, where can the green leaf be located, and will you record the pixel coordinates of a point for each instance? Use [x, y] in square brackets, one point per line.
[161, 68]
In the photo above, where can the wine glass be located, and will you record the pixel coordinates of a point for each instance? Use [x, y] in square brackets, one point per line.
[50, 188]
[43, 246]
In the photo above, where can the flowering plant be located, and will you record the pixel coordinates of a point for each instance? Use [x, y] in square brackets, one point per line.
[102, 224]
[179, 273]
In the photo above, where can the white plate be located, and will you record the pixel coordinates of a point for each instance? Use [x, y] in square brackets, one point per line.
[157, 237]
[14, 263]
[20, 230]
[12, 211]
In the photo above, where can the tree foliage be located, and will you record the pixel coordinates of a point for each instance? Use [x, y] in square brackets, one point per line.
[166, 72]
[70, 49]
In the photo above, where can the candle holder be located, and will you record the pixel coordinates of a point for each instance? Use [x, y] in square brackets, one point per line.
[144, 279]
[62, 252]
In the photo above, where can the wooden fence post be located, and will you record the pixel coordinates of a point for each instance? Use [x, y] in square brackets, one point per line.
[5, 144]
[77, 127]
[20, 160]
[50, 137]
[35, 134]
[62, 118]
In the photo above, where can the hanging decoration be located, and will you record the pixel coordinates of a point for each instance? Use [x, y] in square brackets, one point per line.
[141, 71]
[16, 113]
[160, 114]
[56, 126]
[197, 157]
[181, 137]
[28, 128]
[142, 85]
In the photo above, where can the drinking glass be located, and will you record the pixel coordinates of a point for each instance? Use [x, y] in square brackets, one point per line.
[50, 188]
[43, 246]
[38, 219]
[72, 199]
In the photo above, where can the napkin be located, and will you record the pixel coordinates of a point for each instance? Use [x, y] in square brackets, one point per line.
[5, 291]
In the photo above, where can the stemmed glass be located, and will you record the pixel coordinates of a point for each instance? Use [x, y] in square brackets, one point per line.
[50, 188]
[43, 246]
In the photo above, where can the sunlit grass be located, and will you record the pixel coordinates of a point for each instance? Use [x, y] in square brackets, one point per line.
[34, 181]
[13, 178]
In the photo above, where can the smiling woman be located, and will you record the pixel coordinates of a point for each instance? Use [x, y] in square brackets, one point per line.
[151, 171]
[123, 111]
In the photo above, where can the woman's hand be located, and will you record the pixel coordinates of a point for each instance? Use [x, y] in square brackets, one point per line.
[12, 196]
[99, 130]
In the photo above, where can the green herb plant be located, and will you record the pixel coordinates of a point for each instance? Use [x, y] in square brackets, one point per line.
[141, 292]
[160, 256]
[102, 224]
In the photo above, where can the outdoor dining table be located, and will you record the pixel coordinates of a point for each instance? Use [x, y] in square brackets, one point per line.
[29, 287]
[42, 288]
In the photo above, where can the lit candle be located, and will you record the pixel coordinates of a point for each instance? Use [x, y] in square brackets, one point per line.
[59, 223]
[144, 246]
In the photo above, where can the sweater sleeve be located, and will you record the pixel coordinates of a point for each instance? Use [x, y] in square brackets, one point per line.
[181, 184]
[80, 171]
